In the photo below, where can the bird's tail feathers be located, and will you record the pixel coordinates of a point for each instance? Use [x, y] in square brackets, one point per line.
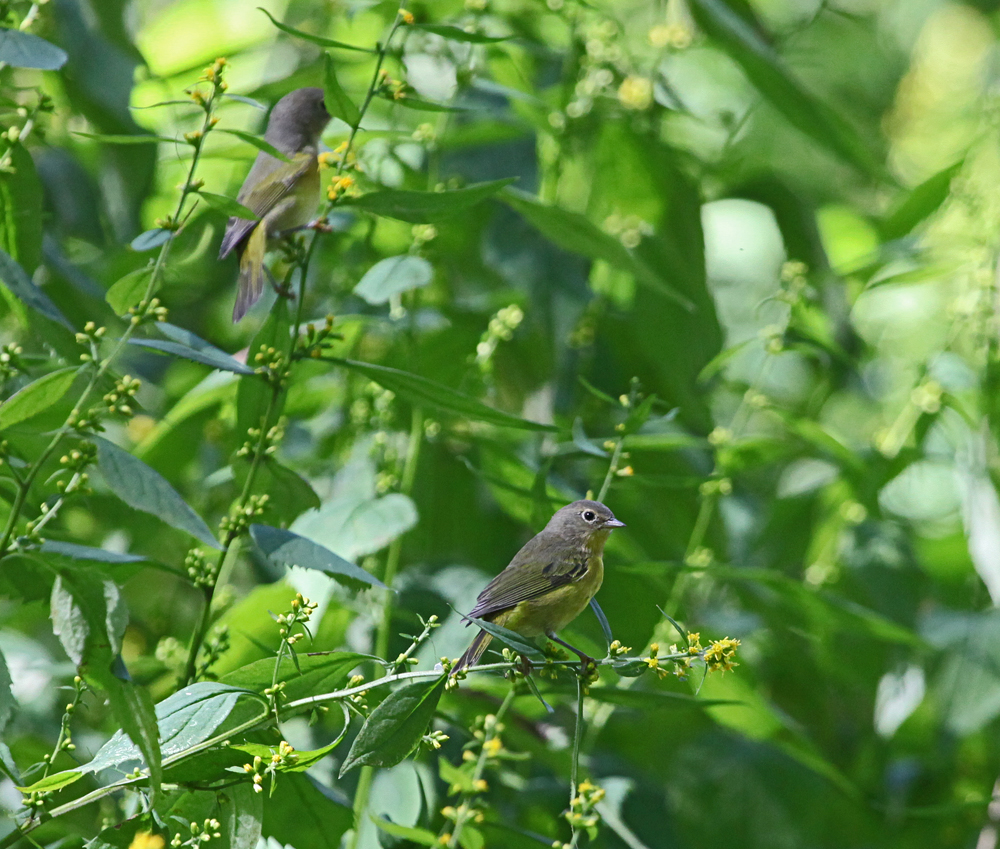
[473, 652]
[251, 283]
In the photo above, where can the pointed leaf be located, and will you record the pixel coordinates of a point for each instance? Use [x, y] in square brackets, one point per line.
[53, 782]
[395, 727]
[227, 206]
[421, 390]
[456, 34]
[392, 276]
[37, 396]
[315, 39]
[424, 207]
[7, 701]
[143, 488]
[257, 142]
[292, 550]
[150, 239]
[420, 836]
[21, 210]
[338, 104]
[191, 347]
[129, 290]
[17, 280]
[24, 50]
[86, 552]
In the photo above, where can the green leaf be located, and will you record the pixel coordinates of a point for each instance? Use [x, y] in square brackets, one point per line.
[37, 396]
[652, 699]
[151, 239]
[227, 206]
[320, 672]
[7, 701]
[416, 103]
[605, 625]
[338, 104]
[17, 280]
[86, 552]
[89, 618]
[456, 34]
[21, 210]
[291, 549]
[425, 207]
[257, 142]
[421, 390]
[129, 290]
[291, 494]
[767, 71]
[133, 708]
[302, 812]
[185, 719]
[24, 50]
[242, 817]
[53, 782]
[510, 638]
[186, 344]
[128, 138]
[396, 726]
[315, 39]
[143, 488]
[393, 276]
[921, 202]
[301, 761]
[577, 234]
[420, 836]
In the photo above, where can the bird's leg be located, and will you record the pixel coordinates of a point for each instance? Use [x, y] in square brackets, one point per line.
[284, 290]
[320, 225]
[585, 659]
[524, 665]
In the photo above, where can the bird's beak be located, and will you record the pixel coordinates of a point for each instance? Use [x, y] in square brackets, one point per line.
[614, 523]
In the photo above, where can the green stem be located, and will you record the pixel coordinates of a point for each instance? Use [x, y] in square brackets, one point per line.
[464, 808]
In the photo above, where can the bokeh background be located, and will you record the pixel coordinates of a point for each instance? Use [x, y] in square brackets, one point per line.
[777, 219]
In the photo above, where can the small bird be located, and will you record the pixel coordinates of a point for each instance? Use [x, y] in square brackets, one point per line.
[550, 580]
[284, 195]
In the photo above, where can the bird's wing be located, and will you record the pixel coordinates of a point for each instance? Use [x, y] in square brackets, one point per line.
[534, 571]
[268, 182]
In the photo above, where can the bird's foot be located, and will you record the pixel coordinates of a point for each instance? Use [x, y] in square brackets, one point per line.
[320, 225]
[524, 665]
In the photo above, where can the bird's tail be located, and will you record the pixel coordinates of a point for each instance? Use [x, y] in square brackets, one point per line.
[251, 282]
[473, 652]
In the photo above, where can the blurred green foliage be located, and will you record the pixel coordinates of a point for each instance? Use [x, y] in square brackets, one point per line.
[732, 261]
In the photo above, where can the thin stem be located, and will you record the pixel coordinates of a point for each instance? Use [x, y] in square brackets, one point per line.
[577, 737]
[612, 468]
[464, 809]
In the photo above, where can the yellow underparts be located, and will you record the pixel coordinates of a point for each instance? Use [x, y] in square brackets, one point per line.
[553, 611]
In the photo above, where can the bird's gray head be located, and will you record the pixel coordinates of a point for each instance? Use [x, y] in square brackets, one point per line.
[582, 519]
[297, 120]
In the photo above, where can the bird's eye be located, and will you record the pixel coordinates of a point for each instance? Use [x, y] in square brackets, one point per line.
[589, 515]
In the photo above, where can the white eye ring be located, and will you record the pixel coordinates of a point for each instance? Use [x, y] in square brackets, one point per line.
[588, 515]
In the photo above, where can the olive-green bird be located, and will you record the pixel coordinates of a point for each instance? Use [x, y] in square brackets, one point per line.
[284, 195]
[550, 581]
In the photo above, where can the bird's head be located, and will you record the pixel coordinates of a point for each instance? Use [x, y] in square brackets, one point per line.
[297, 120]
[584, 520]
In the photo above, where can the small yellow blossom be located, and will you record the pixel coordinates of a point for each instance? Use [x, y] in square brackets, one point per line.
[147, 840]
[636, 93]
[407, 17]
[492, 747]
